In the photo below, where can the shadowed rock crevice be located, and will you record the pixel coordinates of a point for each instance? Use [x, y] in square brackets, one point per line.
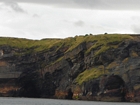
[69, 94]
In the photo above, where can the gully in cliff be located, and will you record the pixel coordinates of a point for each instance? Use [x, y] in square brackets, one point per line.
[69, 94]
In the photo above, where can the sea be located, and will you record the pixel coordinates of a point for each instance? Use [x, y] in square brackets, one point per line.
[38, 101]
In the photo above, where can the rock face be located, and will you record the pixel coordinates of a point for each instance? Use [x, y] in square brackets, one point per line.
[104, 67]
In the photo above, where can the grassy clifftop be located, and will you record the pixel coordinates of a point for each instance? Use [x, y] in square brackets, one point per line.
[103, 41]
[26, 43]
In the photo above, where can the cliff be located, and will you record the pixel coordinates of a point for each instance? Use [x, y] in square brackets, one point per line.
[92, 67]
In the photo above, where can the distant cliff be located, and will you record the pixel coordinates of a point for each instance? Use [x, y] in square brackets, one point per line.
[92, 67]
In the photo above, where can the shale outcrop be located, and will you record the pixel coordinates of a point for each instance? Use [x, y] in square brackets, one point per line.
[90, 67]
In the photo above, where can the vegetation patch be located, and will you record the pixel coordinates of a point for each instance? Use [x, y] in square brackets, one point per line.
[112, 65]
[36, 45]
[58, 60]
[89, 75]
[125, 60]
[104, 42]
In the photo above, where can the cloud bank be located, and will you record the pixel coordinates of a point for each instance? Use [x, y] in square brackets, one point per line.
[14, 6]
[87, 4]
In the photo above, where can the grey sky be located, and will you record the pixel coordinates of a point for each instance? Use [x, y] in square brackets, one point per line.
[89, 4]
[14, 6]
[79, 23]
[36, 19]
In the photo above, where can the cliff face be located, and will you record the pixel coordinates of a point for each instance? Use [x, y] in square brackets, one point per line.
[103, 67]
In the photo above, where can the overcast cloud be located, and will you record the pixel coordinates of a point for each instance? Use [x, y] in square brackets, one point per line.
[36, 19]
[14, 6]
[90, 4]
[79, 23]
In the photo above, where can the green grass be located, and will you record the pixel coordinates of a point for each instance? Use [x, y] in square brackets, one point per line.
[38, 45]
[77, 40]
[89, 75]
[105, 42]
[59, 59]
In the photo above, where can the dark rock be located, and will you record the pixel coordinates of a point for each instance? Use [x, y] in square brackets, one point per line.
[114, 82]
[69, 94]
[91, 88]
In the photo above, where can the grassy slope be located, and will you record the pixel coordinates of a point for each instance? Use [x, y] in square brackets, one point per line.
[104, 41]
[89, 74]
[38, 45]
[71, 43]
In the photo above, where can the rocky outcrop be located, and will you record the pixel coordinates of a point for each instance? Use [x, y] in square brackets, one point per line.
[104, 68]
